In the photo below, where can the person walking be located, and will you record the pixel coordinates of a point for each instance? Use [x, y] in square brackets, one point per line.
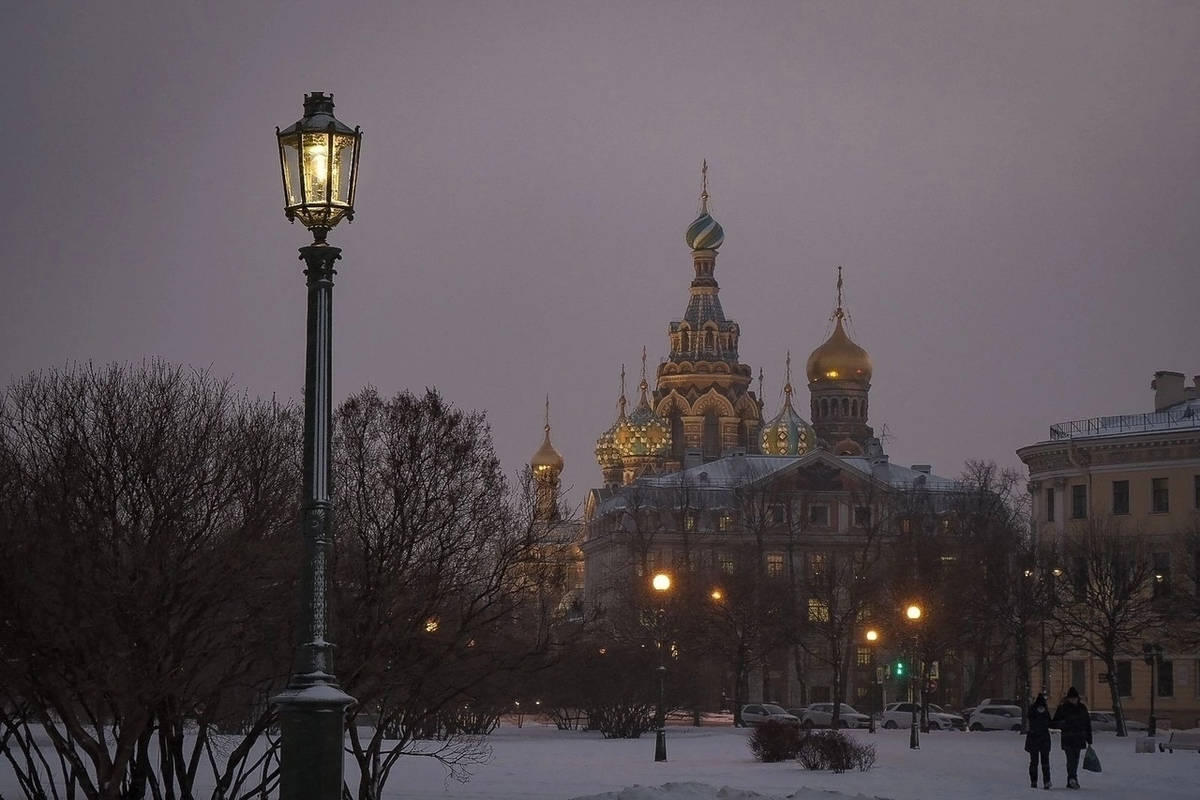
[1071, 717]
[1037, 741]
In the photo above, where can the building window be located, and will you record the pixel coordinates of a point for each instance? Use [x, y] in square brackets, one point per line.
[862, 657]
[1079, 576]
[1162, 575]
[1120, 498]
[1160, 496]
[774, 565]
[775, 514]
[1079, 673]
[818, 515]
[724, 522]
[645, 565]
[693, 561]
[1050, 505]
[818, 567]
[1124, 678]
[1166, 678]
[906, 525]
[725, 563]
[818, 610]
[689, 522]
[1079, 502]
[862, 516]
[1196, 492]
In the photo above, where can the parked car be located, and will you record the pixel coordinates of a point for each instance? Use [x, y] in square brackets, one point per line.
[820, 715]
[996, 718]
[899, 715]
[1107, 721]
[989, 701]
[758, 713]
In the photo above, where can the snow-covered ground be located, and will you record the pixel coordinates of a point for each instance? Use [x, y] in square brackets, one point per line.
[538, 761]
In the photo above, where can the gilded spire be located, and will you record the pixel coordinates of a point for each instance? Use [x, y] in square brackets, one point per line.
[838, 313]
[547, 414]
[621, 400]
[760, 383]
[643, 386]
[704, 189]
[787, 386]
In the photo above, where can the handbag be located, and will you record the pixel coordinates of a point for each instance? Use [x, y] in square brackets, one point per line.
[1091, 761]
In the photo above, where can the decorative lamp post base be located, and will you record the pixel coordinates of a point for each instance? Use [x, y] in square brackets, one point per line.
[660, 745]
[312, 728]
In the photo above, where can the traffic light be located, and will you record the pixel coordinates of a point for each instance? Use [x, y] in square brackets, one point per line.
[899, 671]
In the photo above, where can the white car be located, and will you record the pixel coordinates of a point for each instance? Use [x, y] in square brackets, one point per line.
[1107, 721]
[820, 715]
[996, 718]
[758, 713]
[899, 715]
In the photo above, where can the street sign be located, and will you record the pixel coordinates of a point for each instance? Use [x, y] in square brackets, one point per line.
[931, 686]
[1104, 677]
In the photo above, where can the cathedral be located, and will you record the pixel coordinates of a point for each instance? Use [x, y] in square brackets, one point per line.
[676, 471]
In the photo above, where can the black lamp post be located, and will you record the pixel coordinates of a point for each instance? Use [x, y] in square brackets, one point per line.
[913, 613]
[1152, 653]
[319, 159]
[873, 637]
[662, 584]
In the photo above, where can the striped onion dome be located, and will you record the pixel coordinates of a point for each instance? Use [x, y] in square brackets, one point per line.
[705, 233]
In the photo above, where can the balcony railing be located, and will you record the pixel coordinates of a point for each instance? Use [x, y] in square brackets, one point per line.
[1126, 423]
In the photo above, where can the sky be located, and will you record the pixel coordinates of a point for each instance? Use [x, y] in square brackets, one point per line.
[1012, 190]
[537, 762]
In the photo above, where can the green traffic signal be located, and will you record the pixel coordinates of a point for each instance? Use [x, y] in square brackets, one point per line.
[899, 669]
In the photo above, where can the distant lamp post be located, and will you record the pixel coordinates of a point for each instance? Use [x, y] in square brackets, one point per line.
[1152, 653]
[913, 613]
[662, 585]
[872, 638]
[319, 159]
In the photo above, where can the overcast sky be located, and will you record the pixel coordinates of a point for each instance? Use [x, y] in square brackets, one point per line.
[1012, 189]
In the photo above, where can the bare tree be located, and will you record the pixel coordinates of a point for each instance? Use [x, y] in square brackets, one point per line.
[438, 568]
[1110, 607]
[142, 510]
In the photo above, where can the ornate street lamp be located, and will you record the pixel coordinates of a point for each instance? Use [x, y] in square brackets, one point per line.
[662, 585]
[913, 613]
[319, 159]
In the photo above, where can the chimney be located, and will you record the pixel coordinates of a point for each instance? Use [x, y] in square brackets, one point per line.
[1168, 389]
[924, 469]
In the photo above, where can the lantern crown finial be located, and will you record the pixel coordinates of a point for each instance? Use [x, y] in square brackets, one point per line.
[318, 103]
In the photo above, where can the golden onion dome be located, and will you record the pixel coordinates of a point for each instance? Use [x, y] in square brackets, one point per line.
[839, 358]
[608, 455]
[643, 434]
[546, 459]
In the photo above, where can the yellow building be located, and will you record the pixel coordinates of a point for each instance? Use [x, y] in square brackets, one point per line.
[1136, 475]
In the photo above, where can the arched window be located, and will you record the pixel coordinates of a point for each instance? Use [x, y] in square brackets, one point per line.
[824, 407]
[845, 407]
[685, 342]
[712, 435]
[854, 409]
[678, 443]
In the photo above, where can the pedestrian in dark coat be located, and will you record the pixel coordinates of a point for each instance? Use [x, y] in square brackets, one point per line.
[1037, 741]
[1071, 717]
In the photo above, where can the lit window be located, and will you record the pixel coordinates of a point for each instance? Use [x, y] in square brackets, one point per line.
[724, 522]
[818, 610]
[725, 563]
[774, 565]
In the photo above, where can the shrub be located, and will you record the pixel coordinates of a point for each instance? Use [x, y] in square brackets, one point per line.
[775, 741]
[834, 750]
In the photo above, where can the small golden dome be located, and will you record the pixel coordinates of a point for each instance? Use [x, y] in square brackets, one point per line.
[838, 359]
[546, 459]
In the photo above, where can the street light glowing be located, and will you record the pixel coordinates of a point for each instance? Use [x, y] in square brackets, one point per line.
[872, 636]
[717, 595]
[662, 582]
[913, 612]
